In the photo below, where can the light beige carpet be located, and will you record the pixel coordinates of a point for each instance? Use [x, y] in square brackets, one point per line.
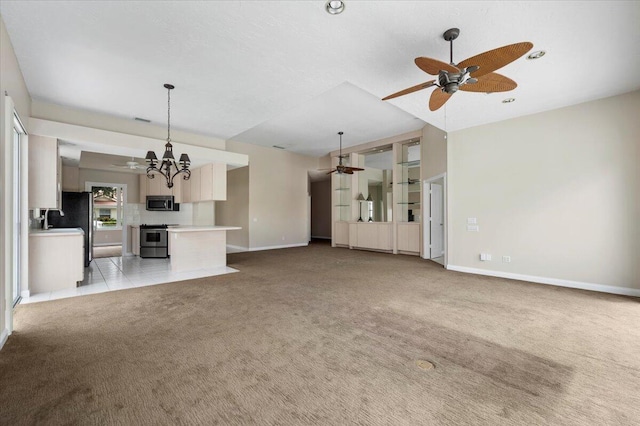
[326, 336]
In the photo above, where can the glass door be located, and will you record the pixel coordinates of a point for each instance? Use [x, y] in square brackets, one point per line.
[16, 213]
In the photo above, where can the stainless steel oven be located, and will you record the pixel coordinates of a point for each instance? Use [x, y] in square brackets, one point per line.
[154, 241]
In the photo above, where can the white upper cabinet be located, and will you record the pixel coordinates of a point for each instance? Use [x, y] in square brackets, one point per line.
[45, 174]
[207, 183]
[214, 182]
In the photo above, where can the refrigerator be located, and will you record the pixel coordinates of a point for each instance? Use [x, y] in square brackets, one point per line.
[78, 213]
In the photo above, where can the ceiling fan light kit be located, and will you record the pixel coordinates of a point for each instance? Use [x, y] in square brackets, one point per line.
[168, 160]
[536, 55]
[475, 74]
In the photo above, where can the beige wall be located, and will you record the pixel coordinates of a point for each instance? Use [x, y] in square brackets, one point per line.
[278, 195]
[321, 209]
[235, 210]
[11, 82]
[89, 175]
[433, 152]
[557, 191]
[62, 114]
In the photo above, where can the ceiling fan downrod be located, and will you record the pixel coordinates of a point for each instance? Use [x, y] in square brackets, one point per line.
[450, 35]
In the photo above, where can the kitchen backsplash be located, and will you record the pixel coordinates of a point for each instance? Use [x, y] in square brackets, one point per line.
[136, 214]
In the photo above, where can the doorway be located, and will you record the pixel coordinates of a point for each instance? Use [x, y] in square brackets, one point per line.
[109, 228]
[435, 228]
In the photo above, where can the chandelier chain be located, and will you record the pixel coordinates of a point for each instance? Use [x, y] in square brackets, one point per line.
[169, 115]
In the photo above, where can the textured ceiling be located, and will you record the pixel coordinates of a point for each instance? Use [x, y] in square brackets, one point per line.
[264, 71]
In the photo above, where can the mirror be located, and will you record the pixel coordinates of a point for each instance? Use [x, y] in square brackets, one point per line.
[409, 182]
[377, 178]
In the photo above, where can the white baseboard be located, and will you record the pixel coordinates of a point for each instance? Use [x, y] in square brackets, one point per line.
[25, 293]
[625, 291]
[278, 247]
[238, 249]
[3, 337]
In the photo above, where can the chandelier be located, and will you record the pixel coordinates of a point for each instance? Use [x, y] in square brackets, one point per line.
[168, 160]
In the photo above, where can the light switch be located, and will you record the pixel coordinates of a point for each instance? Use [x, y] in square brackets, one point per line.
[472, 220]
[473, 228]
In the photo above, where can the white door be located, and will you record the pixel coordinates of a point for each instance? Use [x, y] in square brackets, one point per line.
[437, 221]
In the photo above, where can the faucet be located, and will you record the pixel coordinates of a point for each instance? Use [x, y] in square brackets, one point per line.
[45, 224]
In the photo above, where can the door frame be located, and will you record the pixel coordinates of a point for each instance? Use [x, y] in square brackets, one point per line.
[426, 229]
[7, 219]
[88, 186]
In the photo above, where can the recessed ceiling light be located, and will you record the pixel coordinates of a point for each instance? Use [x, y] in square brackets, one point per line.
[536, 55]
[334, 7]
[278, 146]
[142, 119]
[508, 100]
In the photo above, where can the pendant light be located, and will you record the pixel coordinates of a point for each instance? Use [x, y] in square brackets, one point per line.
[168, 160]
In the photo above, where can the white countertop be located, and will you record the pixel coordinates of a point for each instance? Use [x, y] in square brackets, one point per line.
[195, 228]
[56, 232]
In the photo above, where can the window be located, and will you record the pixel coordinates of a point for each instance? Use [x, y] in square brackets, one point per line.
[107, 206]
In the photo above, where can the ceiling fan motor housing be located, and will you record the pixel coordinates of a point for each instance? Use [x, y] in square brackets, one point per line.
[450, 82]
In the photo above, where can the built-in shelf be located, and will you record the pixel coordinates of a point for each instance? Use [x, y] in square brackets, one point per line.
[343, 205]
[342, 189]
[414, 163]
[407, 202]
[409, 183]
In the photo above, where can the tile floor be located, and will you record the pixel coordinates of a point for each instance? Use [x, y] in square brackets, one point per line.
[119, 273]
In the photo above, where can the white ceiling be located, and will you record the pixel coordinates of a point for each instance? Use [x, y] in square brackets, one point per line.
[287, 73]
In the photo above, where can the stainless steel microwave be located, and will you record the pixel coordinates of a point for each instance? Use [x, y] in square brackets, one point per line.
[162, 203]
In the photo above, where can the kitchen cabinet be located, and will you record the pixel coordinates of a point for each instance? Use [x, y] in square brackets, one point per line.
[213, 184]
[409, 238]
[195, 185]
[185, 190]
[143, 188]
[45, 173]
[56, 259]
[134, 232]
[342, 233]
[207, 183]
[158, 186]
[371, 235]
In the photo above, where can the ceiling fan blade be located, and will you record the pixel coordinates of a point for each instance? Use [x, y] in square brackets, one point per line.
[332, 171]
[438, 98]
[354, 169]
[433, 66]
[348, 172]
[411, 89]
[497, 58]
[492, 82]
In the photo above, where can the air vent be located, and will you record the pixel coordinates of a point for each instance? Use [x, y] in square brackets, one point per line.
[144, 120]
[279, 147]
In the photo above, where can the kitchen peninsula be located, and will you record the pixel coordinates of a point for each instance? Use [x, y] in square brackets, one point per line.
[198, 247]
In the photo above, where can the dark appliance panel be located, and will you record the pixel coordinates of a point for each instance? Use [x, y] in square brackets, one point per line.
[78, 213]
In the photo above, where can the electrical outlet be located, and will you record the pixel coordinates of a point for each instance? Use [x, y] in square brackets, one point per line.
[485, 257]
[473, 228]
[506, 259]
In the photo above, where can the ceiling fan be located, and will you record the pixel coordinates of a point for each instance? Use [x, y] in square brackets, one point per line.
[340, 168]
[131, 165]
[475, 74]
